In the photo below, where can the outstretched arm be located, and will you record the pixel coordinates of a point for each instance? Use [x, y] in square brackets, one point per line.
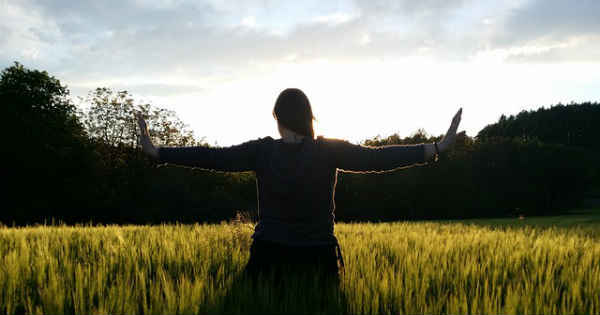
[237, 158]
[234, 159]
[365, 159]
[357, 158]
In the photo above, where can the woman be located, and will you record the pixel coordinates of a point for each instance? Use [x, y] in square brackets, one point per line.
[296, 177]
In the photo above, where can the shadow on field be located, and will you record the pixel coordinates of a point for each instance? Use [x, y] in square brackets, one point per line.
[287, 293]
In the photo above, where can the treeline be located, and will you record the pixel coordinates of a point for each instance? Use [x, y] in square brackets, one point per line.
[75, 166]
[573, 125]
[481, 177]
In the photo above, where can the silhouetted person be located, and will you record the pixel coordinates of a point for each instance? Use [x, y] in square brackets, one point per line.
[296, 177]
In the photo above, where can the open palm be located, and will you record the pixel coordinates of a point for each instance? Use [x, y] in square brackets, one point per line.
[450, 136]
[145, 141]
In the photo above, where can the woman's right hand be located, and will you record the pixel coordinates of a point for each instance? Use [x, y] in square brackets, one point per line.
[145, 141]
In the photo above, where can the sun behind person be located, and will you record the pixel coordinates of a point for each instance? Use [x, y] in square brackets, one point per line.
[296, 178]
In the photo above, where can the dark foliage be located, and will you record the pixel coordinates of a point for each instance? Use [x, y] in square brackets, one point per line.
[45, 146]
[575, 125]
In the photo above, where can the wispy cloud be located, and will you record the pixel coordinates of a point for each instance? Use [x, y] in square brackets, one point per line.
[117, 38]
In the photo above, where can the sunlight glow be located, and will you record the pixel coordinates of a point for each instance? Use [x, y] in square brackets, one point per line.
[362, 100]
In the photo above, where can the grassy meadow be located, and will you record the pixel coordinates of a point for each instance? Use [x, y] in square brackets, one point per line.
[502, 266]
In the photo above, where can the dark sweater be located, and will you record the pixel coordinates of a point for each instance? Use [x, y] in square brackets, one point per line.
[296, 181]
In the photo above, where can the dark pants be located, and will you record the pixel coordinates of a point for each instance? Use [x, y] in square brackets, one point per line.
[284, 279]
[279, 260]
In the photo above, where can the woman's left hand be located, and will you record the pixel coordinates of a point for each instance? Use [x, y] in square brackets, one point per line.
[450, 137]
[145, 141]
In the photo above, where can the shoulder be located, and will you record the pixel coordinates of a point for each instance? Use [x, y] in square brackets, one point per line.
[259, 142]
[332, 142]
[255, 145]
[322, 139]
[333, 145]
[266, 139]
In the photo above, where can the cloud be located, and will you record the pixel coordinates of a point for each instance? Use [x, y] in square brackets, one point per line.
[162, 89]
[553, 19]
[94, 37]
[560, 31]
[131, 41]
[579, 49]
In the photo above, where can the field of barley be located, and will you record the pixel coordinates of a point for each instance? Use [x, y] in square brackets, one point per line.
[507, 266]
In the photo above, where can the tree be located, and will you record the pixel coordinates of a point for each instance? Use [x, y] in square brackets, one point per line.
[166, 128]
[110, 119]
[38, 107]
[419, 136]
[45, 143]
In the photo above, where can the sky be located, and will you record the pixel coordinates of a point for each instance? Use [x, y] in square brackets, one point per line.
[369, 67]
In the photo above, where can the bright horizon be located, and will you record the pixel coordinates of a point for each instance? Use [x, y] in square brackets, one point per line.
[369, 67]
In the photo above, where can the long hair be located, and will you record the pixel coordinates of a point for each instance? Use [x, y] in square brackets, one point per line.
[292, 110]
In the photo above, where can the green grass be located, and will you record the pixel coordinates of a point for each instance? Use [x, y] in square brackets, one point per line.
[581, 217]
[503, 266]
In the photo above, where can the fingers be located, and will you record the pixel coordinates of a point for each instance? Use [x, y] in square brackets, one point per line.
[142, 124]
[451, 133]
[138, 116]
[457, 116]
[450, 136]
[456, 119]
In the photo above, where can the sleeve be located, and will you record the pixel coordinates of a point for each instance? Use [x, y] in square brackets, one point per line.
[237, 158]
[363, 159]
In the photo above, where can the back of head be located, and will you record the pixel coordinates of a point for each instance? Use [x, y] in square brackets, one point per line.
[293, 111]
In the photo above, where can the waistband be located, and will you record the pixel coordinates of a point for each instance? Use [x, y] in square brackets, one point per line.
[335, 244]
